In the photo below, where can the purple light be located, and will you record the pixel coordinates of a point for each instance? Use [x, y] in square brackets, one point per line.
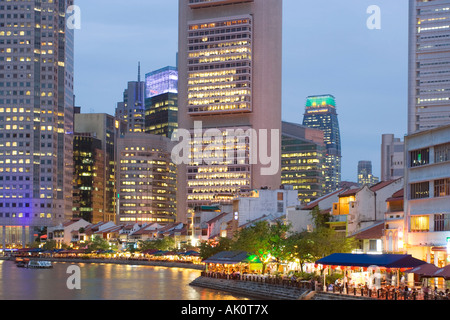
[161, 81]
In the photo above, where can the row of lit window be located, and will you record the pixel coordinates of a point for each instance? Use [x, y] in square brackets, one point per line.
[222, 59]
[218, 87]
[227, 23]
[222, 93]
[226, 99]
[220, 52]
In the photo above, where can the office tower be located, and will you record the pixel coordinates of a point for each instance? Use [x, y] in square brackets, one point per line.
[146, 179]
[36, 109]
[161, 102]
[132, 108]
[321, 114]
[392, 157]
[302, 159]
[107, 129]
[429, 65]
[89, 178]
[365, 176]
[230, 65]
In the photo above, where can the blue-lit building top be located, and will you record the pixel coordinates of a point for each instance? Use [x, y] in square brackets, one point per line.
[161, 81]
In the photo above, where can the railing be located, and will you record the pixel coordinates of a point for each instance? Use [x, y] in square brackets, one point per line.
[380, 294]
[273, 280]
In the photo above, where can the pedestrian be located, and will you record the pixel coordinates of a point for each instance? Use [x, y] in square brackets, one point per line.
[426, 292]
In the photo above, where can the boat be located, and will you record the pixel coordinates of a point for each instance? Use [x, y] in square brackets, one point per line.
[35, 264]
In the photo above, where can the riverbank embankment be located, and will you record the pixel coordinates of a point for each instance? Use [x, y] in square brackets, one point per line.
[166, 264]
[266, 291]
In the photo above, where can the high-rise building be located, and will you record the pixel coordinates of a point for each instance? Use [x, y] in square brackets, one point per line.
[392, 157]
[302, 158]
[230, 65]
[365, 176]
[146, 179]
[88, 178]
[321, 114]
[161, 102]
[429, 64]
[132, 108]
[36, 117]
[107, 129]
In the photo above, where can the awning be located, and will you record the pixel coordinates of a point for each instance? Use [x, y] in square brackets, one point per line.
[425, 270]
[443, 273]
[392, 261]
[232, 257]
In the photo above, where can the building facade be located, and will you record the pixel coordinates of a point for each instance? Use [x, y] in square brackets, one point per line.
[146, 179]
[392, 157]
[230, 65]
[427, 195]
[132, 109]
[107, 129]
[429, 64]
[36, 110]
[161, 102]
[302, 160]
[89, 180]
[321, 114]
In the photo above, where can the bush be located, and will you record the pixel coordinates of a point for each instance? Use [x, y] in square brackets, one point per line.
[333, 277]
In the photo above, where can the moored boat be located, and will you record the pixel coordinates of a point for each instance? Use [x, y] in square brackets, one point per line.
[35, 264]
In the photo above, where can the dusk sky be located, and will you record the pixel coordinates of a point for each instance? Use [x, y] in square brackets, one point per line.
[327, 49]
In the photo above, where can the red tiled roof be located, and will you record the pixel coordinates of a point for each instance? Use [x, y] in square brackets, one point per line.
[373, 232]
[399, 195]
[220, 216]
[349, 192]
[381, 185]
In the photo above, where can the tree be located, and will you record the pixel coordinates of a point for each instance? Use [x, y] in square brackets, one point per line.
[264, 240]
[97, 244]
[165, 244]
[208, 248]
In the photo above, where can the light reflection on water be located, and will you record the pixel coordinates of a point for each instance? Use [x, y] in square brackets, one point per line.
[103, 282]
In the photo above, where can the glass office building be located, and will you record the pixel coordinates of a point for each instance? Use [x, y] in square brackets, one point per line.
[302, 161]
[161, 103]
[321, 114]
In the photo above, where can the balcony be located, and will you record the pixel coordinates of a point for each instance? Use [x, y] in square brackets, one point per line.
[198, 4]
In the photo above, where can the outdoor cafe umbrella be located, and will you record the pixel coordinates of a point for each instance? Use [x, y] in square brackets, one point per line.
[443, 273]
[425, 271]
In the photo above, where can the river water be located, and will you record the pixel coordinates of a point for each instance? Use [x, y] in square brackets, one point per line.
[103, 282]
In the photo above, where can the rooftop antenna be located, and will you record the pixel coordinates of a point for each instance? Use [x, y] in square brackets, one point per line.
[139, 72]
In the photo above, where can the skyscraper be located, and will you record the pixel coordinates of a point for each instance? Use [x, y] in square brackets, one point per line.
[230, 64]
[107, 129]
[321, 114]
[36, 116]
[161, 102]
[365, 176]
[132, 108]
[302, 159]
[429, 64]
[89, 178]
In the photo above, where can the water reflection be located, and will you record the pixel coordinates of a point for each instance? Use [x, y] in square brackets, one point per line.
[103, 282]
